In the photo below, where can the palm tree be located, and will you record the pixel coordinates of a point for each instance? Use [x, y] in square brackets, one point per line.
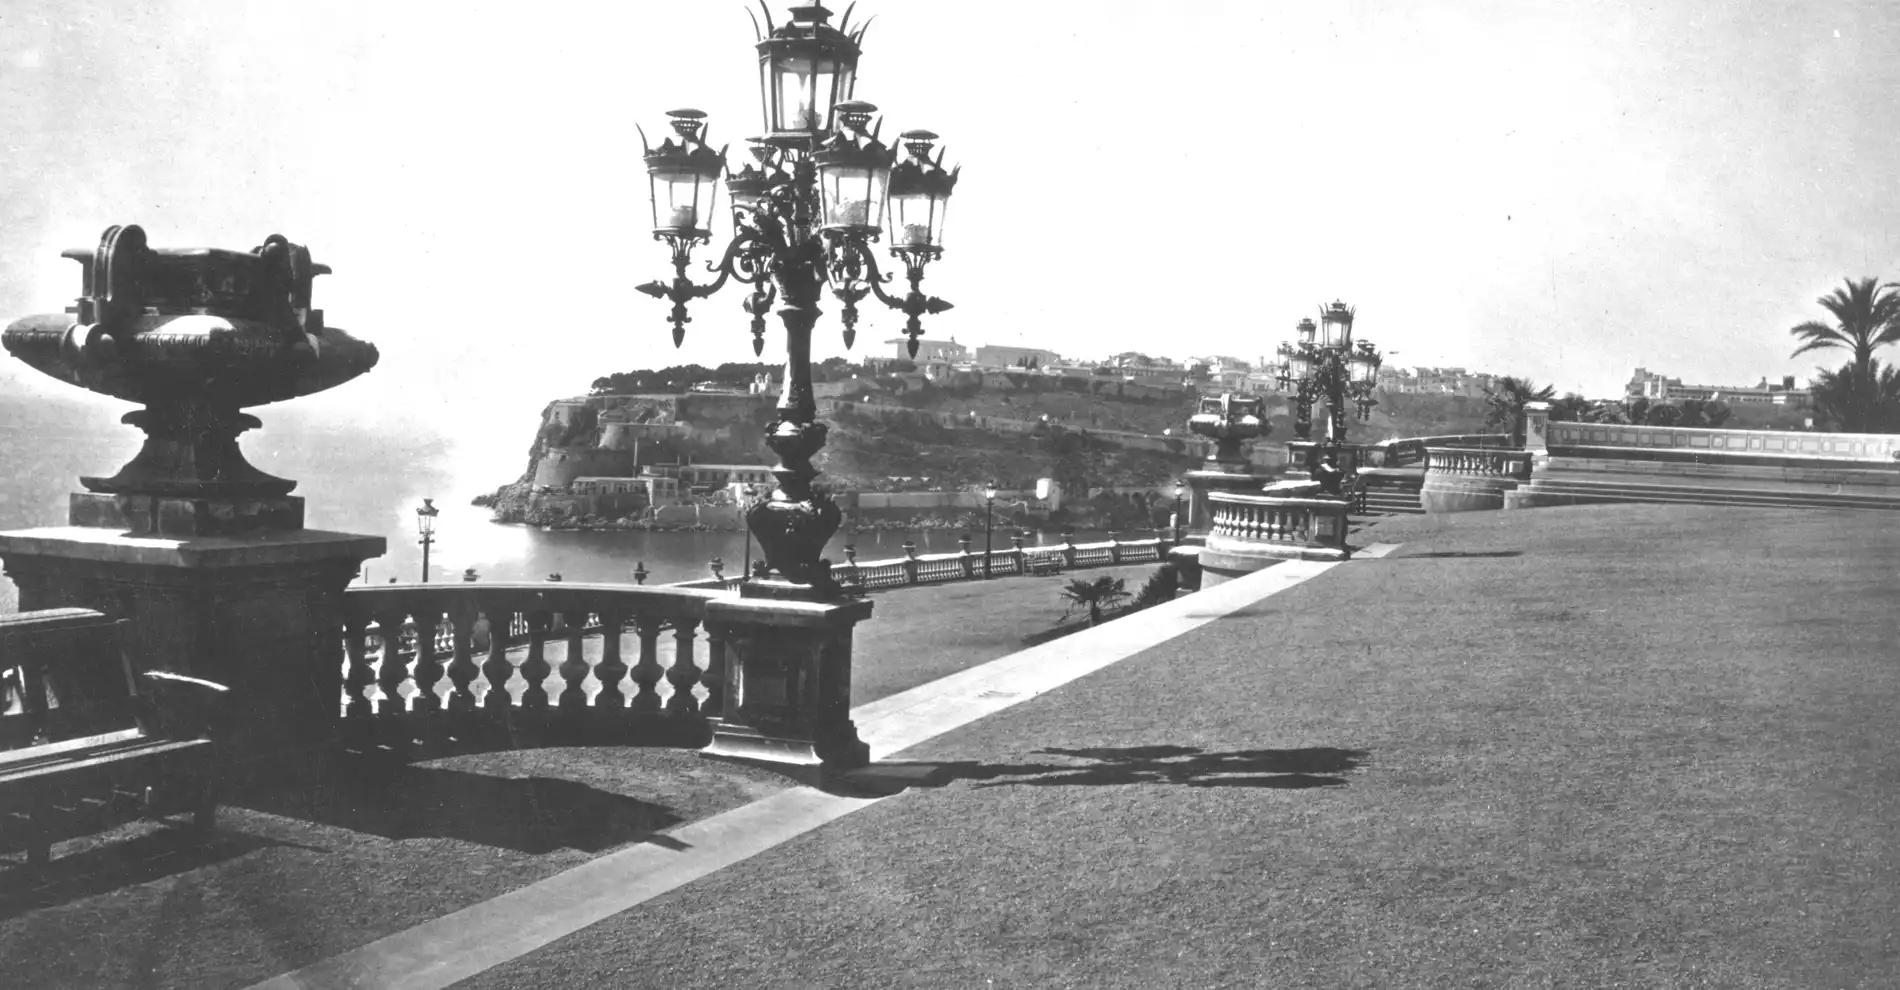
[1504, 402]
[1103, 592]
[1840, 398]
[1867, 316]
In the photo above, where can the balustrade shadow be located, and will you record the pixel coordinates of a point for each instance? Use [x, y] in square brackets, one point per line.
[1454, 554]
[1188, 766]
[109, 863]
[377, 795]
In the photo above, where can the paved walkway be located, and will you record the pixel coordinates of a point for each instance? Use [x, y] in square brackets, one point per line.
[468, 942]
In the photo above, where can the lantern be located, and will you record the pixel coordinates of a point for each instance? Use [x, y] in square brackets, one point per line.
[683, 178]
[1336, 325]
[1366, 363]
[805, 68]
[1301, 362]
[854, 170]
[1305, 329]
[425, 518]
[747, 188]
[1283, 368]
[920, 193]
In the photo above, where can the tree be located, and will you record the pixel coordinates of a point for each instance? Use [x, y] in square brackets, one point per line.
[1504, 402]
[1709, 413]
[1569, 409]
[1662, 414]
[1866, 316]
[1607, 412]
[1872, 403]
[1103, 592]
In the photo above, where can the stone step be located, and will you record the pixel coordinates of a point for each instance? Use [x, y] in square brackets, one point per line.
[1564, 492]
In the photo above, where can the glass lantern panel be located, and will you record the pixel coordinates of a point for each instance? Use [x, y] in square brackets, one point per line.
[804, 87]
[916, 221]
[677, 199]
[846, 82]
[854, 196]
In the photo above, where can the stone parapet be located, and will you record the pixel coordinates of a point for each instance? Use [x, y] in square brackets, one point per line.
[1251, 532]
[1471, 479]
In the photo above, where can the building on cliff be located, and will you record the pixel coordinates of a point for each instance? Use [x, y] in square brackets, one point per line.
[1000, 356]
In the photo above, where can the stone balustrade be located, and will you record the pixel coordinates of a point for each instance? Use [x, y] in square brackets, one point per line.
[963, 565]
[1466, 479]
[1266, 519]
[569, 661]
[1608, 439]
[589, 664]
[1478, 462]
[1410, 451]
[1249, 532]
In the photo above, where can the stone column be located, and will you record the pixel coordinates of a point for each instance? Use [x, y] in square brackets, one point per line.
[787, 688]
[1536, 433]
[260, 613]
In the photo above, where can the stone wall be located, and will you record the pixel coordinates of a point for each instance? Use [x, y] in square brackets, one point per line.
[1871, 448]
[557, 467]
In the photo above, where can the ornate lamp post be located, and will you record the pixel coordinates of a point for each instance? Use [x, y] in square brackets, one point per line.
[425, 528]
[1324, 364]
[806, 212]
[989, 523]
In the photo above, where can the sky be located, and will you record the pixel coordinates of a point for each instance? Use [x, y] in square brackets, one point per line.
[1559, 191]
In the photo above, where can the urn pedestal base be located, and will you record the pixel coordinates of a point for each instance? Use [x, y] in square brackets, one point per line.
[260, 614]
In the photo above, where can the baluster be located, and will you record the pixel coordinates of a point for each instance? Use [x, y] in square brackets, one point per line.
[535, 668]
[611, 670]
[395, 669]
[462, 670]
[647, 673]
[357, 674]
[574, 669]
[497, 670]
[428, 665]
[714, 677]
[684, 673]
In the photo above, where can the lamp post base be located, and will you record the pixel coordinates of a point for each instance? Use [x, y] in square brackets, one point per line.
[787, 688]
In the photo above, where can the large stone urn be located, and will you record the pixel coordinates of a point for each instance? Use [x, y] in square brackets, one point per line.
[206, 554]
[1233, 422]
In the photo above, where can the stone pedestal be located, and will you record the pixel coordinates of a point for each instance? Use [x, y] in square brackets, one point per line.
[1215, 477]
[787, 687]
[259, 613]
[1536, 434]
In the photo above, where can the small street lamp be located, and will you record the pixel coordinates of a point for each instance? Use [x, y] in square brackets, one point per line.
[1324, 363]
[1179, 490]
[425, 525]
[820, 191]
[639, 572]
[989, 523]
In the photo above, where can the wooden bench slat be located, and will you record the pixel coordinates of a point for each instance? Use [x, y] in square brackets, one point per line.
[11, 759]
[139, 752]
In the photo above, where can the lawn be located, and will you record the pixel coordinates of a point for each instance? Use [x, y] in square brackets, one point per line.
[298, 874]
[1616, 746]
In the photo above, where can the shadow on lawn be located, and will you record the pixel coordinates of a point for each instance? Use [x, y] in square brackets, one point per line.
[1440, 554]
[107, 863]
[1289, 769]
[529, 814]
